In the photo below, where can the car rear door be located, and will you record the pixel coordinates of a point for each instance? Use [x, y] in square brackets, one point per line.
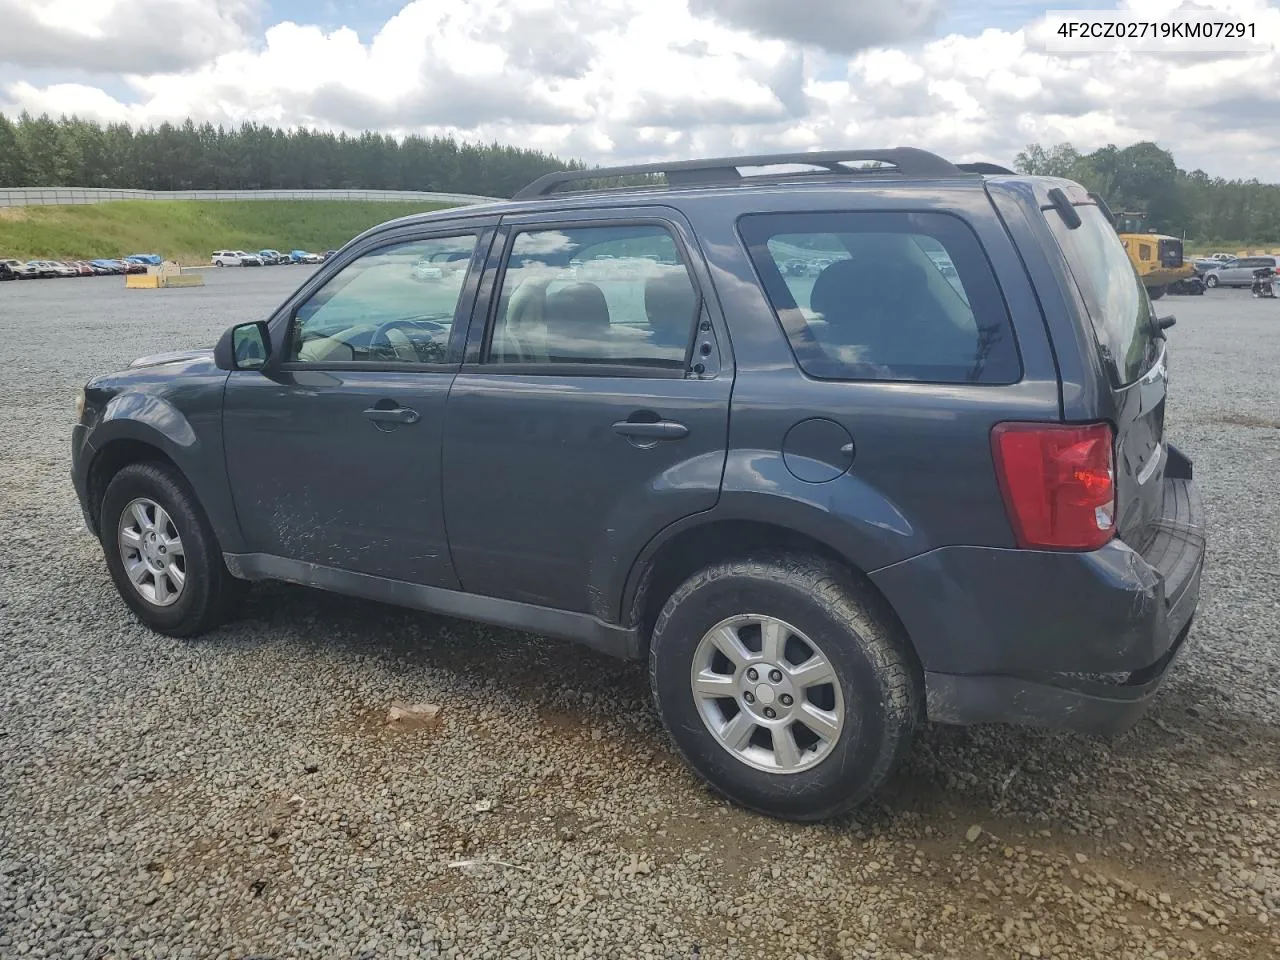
[591, 410]
[1240, 273]
[1123, 323]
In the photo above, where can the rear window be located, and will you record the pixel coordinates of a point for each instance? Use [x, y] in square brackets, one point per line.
[1113, 295]
[884, 296]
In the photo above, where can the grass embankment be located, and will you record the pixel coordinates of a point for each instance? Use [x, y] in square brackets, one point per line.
[1195, 248]
[188, 230]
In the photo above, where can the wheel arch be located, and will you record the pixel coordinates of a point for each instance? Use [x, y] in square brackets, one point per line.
[116, 443]
[667, 563]
[114, 456]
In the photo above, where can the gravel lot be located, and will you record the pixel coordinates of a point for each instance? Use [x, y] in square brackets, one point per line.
[242, 795]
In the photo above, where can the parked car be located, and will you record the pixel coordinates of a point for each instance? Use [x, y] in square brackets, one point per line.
[821, 510]
[21, 269]
[249, 259]
[273, 257]
[1238, 273]
[328, 254]
[226, 258]
[46, 269]
[301, 256]
[133, 266]
[83, 267]
[146, 259]
[108, 266]
[7, 272]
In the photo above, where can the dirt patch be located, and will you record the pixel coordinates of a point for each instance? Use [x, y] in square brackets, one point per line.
[1248, 420]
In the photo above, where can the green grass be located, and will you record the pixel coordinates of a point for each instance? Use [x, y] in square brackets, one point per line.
[1196, 248]
[188, 230]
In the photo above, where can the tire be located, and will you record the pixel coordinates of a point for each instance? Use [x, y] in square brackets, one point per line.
[877, 686]
[1211, 281]
[207, 588]
[1155, 293]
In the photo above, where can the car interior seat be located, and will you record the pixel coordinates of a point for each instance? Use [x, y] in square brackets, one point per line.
[669, 303]
[577, 318]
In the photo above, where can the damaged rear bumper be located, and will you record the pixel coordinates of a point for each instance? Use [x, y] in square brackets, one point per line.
[1077, 642]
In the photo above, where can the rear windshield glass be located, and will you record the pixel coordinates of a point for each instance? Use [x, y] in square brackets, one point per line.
[884, 296]
[1109, 285]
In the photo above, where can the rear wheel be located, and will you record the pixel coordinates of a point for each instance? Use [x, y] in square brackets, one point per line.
[784, 685]
[161, 552]
[1155, 293]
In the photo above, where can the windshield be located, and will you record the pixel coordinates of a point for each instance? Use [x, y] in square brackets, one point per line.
[1114, 296]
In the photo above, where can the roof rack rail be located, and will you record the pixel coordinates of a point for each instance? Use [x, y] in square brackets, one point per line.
[905, 161]
[983, 168]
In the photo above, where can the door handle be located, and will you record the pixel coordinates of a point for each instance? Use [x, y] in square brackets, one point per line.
[661, 430]
[392, 414]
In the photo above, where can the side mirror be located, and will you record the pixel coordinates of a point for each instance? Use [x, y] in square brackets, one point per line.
[246, 346]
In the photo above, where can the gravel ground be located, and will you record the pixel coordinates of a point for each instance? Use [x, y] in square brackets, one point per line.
[241, 795]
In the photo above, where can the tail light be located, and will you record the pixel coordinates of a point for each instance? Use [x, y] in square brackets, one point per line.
[1058, 483]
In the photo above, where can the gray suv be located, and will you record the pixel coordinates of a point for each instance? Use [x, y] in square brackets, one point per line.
[744, 426]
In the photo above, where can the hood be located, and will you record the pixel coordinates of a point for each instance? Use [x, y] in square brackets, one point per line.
[174, 356]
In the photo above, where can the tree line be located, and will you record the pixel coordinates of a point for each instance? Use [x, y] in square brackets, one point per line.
[71, 152]
[1145, 178]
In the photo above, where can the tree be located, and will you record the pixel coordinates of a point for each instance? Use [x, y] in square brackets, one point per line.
[13, 157]
[1057, 161]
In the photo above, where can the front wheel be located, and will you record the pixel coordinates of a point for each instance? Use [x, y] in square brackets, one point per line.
[1211, 281]
[784, 684]
[161, 552]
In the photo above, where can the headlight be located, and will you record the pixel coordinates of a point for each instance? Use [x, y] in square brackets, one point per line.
[80, 406]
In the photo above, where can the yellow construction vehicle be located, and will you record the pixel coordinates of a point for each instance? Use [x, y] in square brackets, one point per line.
[1156, 256]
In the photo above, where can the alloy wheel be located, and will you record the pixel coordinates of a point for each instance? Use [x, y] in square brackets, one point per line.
[767, 694]
[151, 549]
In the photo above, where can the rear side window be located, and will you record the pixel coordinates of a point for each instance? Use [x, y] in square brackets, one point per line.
[1112, 293]
[617, 295]
[884, 296]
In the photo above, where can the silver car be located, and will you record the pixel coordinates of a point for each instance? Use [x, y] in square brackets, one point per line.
[1239, 273]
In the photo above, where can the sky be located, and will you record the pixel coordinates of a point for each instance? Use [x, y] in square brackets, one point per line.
[630, 80]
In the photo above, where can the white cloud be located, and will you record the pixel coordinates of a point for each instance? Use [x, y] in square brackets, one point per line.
[114, 36]
[601, 79]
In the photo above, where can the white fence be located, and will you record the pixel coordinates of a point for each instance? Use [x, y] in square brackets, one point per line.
[35, 196]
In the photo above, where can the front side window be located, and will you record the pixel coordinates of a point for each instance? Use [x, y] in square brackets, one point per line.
[596, 295]
[884, 296]
[395, 304]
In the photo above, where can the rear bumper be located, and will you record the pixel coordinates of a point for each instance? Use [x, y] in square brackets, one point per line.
[1078, 641]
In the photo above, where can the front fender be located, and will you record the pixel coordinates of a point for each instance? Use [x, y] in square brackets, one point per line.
[192, 440]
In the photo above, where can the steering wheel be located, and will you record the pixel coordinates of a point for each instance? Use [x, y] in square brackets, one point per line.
[381, 337]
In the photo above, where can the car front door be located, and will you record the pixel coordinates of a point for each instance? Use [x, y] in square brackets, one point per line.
[591, 410]
[333, 453]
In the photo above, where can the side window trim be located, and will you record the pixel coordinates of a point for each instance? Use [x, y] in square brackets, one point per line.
[485, 315]
[282, 320]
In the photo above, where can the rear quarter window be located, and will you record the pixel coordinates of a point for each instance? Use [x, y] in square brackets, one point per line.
[1113, 295]
[884, 296]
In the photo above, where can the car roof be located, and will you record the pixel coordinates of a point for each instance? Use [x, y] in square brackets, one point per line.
[723, 178]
